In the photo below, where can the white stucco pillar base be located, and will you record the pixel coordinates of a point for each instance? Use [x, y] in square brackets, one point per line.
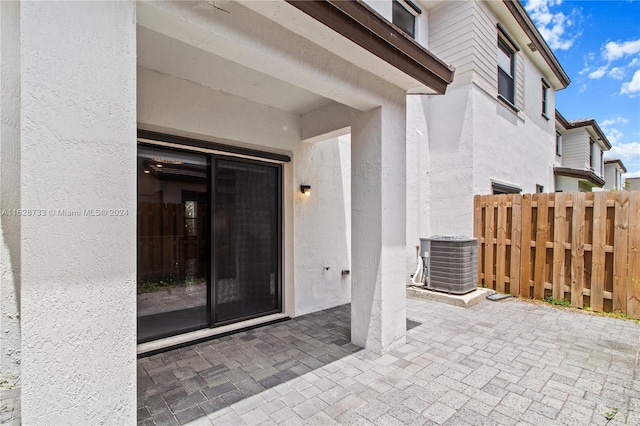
[78, 180]
[378, 191]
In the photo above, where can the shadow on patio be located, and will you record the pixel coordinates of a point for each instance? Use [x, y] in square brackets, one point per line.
[187, 383]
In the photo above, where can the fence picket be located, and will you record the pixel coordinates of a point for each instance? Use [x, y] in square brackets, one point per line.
[477, 231]
[542, 227]
[516, 236]
[501, 243]
[577, 250]
[559, 238]
[525, 248]
[598, 242]
[488, 244]
[633, 283]
[621, 244]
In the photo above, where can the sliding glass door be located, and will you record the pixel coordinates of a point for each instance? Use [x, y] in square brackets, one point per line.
[209, 241]
[247, 239]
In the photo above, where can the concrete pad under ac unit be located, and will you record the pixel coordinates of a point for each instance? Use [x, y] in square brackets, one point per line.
[462, 300]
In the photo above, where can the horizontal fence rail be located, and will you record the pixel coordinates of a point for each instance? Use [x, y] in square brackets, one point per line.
[583, 248]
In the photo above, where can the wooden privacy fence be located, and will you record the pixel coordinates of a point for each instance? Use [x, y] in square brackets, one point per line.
[579, 247]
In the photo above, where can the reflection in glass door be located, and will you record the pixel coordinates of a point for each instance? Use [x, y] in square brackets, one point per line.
[173, 243]
[209, 241]
[247, 239]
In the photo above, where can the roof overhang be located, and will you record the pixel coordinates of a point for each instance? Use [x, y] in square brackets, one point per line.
[587, 175]
[615, 161]
[363, 26]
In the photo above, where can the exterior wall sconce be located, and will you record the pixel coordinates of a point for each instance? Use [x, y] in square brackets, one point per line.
[305, 189]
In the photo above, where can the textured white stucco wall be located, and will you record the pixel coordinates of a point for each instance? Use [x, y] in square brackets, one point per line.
[170, 104]
[10, 192]
[322, 224]
[78, 78]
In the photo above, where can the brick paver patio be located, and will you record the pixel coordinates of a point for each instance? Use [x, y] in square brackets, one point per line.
[503, 363]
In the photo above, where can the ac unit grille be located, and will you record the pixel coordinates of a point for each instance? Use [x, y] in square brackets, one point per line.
[451, 263]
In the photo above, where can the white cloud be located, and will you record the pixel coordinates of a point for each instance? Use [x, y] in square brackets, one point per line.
[632, 88]
[552, 25]
[607, 123]
[632, 174]
[629, 153]
[613, 51]
[616, 73]
[614, 135]
[599, 73]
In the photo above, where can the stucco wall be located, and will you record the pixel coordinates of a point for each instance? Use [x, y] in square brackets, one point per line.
[78, 272]
[10, 190]
[322, 224]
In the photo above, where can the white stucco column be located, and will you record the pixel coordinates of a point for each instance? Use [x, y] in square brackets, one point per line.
[9, 191]
[78, 183]
[378, 215]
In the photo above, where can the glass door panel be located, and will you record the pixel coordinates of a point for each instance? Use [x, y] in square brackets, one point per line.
[173, 243]
[246, 239]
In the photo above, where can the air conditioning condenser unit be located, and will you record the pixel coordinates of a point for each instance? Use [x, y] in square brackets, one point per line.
[450, 263]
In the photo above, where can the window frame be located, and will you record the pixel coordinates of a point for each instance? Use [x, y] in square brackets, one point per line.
[411, 10]
[592, 154]
[506, 44]
[545, 98]
[558, 144]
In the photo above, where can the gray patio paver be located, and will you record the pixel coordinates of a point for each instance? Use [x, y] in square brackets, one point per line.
[504, 363]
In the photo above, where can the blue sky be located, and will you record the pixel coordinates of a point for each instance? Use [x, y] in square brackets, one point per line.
[598, 45]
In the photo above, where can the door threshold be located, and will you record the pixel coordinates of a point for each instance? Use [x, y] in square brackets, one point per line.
[193, 337]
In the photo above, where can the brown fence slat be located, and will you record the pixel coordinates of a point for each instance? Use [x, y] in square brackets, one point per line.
[516, 235]
[488, 244]
[477, 231]
[501, 243]
[598, 239]
[620, 254]
[525, 247]
[559, 238]
[633, 289]
[577, 250]
[542, 227]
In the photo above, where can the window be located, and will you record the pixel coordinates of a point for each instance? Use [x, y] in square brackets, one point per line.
[592, 154]
[601, 163]
[404, 16]
[506, 67]
[504, 188]
[539, 189]
[558, 144]
[545, 99]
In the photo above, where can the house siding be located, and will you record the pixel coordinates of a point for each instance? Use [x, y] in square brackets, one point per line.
[575, 149]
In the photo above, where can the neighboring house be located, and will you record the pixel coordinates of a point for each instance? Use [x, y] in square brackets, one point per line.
[153, 157]
[633, 183]
[580, 148]
[613, 171]
[494, 130]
